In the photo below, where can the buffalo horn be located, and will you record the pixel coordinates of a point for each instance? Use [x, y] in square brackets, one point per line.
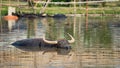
[72, 39]
[50, 42]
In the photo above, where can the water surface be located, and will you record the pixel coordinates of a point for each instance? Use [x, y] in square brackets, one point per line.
[97, 42]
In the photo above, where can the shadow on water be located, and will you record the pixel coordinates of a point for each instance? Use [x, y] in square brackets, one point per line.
[96, 42]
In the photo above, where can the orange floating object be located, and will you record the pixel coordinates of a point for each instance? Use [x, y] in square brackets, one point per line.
[10, 17]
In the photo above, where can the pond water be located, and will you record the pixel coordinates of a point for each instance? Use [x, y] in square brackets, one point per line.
[97, 42]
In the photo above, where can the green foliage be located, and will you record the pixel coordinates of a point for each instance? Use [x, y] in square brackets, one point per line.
[31, 3]
[103, 4]
[4, 10]
[61, 0]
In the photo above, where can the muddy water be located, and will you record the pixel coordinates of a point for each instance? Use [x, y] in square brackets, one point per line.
[97, 42]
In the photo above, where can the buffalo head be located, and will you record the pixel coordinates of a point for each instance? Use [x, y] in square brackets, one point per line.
[62, 45]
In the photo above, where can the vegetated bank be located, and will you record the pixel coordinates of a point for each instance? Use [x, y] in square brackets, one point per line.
[68, 10]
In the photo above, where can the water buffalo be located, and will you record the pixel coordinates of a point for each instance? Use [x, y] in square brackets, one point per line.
[59, 16]
[41, 44]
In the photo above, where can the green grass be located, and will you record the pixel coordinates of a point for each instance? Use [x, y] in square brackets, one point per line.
[62, 10]
[111, 8]
[70, 10]
[4, 11]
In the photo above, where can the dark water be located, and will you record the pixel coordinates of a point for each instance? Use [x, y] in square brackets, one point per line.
[97, 42]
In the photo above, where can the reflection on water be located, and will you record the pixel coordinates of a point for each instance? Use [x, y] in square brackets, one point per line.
[96, 46]
[98, 33]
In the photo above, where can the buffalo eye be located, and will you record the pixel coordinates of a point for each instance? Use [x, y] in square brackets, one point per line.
[63, 42]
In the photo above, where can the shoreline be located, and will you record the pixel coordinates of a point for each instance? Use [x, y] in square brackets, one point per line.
[65, 15]
[116, 15]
